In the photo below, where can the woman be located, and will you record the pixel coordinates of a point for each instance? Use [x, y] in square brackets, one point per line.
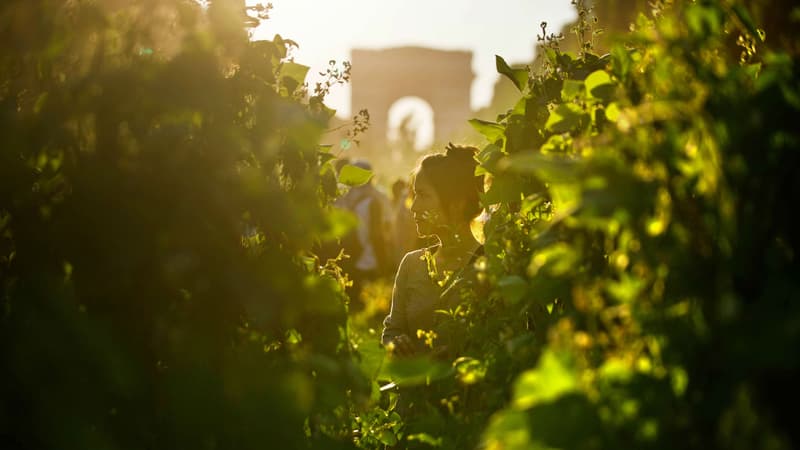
[446, 200]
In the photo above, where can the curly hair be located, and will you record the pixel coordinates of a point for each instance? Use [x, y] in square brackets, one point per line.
[452, 176]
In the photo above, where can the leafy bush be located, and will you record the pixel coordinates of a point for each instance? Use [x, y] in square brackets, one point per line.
[158, 285]
[641, 251]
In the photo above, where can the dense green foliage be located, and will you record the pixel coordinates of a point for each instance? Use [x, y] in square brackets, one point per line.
[156, 280]
[640, 251]
[163, 188]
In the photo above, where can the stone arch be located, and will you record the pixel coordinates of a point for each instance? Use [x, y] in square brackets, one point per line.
[442, 78]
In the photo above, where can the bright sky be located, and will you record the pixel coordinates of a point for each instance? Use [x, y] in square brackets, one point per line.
[328, 29]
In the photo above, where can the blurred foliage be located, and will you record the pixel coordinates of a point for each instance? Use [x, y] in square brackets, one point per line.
[157, 280]
[641, 251]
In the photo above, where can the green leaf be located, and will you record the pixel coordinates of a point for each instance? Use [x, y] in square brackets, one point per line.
[565, 117]
[551, 54]
[552, 169]
[414, 371]
[517, 76]
[324, 157]
[490, 130]
[469, 370]
[520, 107]
[615, 369]
[599, 84]
[626, 289]
[353, 175]
[554, 376]
[703, 20]
[504, 188]
[293, 75]
[612, 112]
[426, 438]
[621, 61]
[557, 260]
[508, 430]
[679, 379]
[571, 89]
[530, 202]
[387, 437]
[565, 59]
[513, 288]
[557, 143]
[488, 158]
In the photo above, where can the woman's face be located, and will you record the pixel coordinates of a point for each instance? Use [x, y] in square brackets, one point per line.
[429, 216]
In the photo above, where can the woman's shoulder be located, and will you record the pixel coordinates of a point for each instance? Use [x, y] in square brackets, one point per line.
[418, 257]
[416, 263]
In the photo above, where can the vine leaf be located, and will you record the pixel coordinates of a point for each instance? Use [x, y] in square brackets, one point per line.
[293, 75]
[571, 89]
[414, 371]
[517, 76]
[354, 176]
[564, 118]
[505, 187]
[490, 130]
[599, 84]
[553, 377]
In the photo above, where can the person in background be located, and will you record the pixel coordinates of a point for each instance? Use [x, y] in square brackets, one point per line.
[367, 245]
[445, 201]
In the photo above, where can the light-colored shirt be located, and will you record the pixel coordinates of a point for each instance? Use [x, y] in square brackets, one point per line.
[417, 296]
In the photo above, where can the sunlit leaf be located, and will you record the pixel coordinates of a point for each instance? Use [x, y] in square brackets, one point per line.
[508, 430]
[554, 376]
[599, 84]
[517, 76]
[557, 169]
[626, 289]
[612, 112]
[490, 130]
[615, 370]
[679, 379]
[557, 259]
[469, 370]
[353, 175]
[565, 117]
[414, 370]
[426, 438]
[293, 75]
[340, 222]
[571, 89]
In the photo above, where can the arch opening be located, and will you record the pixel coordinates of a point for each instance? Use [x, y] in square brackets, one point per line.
[411, 124]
